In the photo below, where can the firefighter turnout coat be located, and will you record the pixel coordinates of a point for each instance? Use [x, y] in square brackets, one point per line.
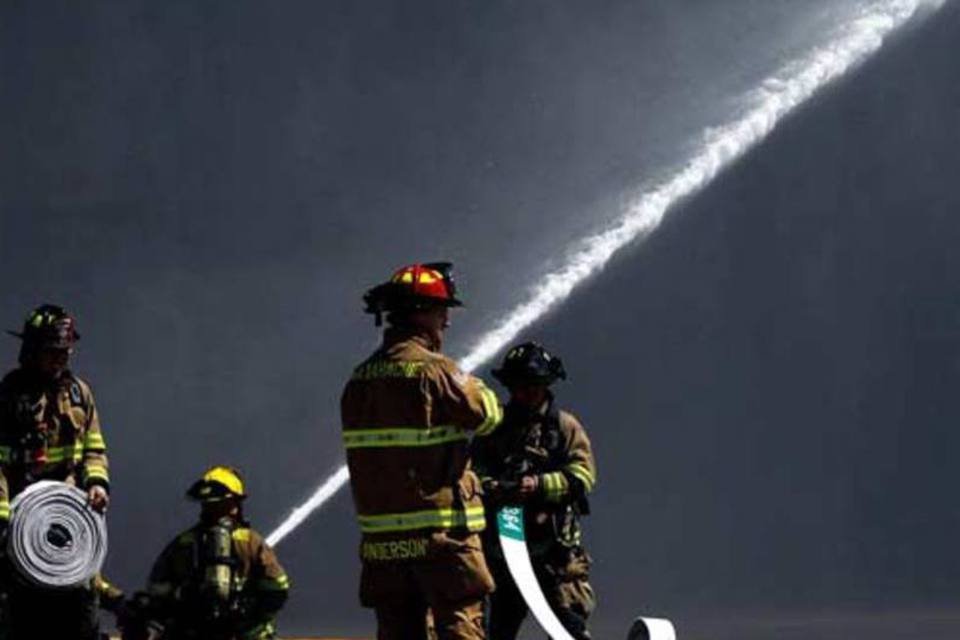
[259, 589]
[552, 445]
[49, 430]
[408, 414]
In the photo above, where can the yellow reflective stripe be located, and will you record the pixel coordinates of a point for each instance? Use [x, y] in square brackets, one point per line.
[94, 440]
[402, 437]
[388, 369]
[280, 583]
[4, 510]
[59, 454]
[582, 473]
[472, 518]
[54, 455]
[97, 471]
[241, 535]
[492, 411]
[264, 631]
[101, 584]
[547, 484]
[555, 485]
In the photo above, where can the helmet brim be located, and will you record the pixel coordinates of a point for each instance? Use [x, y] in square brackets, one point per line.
[509, 378]
[449, 303]
[410, 303]
[207, 491]
[57, 343]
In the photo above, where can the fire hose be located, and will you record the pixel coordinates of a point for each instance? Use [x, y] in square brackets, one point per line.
[55, 539]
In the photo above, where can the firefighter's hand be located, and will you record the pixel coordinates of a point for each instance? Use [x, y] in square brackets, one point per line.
[492, 490]
[98, 498]
[528, 487]
[153, 631]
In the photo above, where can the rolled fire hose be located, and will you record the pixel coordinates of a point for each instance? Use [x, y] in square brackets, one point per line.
[55, 539]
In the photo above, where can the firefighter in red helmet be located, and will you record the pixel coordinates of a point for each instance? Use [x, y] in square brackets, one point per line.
[408, 413]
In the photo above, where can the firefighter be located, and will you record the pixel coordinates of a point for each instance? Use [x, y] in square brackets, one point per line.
[218, 580]
[49, 430]
[539, 458]
[408, 412]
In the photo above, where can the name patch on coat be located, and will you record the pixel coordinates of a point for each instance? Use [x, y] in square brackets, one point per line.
[395, 550]
[387, 369]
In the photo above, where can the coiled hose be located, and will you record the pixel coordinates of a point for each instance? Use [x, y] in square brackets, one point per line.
[56, 540]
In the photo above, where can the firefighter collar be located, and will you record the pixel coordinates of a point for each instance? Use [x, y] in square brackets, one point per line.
[396, 335]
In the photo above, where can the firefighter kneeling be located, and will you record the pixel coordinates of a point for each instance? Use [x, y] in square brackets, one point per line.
[541, 458]
[218, 580]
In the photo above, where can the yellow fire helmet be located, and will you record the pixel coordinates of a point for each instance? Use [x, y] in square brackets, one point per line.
[218, 483]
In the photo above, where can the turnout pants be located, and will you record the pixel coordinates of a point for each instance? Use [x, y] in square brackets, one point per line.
[442, 573]
[566, 588]
[34, 614]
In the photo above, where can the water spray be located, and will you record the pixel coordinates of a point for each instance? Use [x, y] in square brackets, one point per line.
[778, 96]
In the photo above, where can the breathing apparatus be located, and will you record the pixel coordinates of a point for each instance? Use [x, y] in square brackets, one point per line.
[215, 561]
[217, 564]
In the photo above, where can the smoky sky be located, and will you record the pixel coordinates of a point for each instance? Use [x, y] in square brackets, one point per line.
[769, 380]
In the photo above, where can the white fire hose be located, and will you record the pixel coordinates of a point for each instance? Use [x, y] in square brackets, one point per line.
[56, 540]
[514, 545]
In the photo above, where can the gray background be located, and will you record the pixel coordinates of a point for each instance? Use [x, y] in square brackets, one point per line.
[769, 380]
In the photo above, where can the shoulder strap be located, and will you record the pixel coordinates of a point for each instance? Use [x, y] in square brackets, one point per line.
[76, 388]
[552, 435]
